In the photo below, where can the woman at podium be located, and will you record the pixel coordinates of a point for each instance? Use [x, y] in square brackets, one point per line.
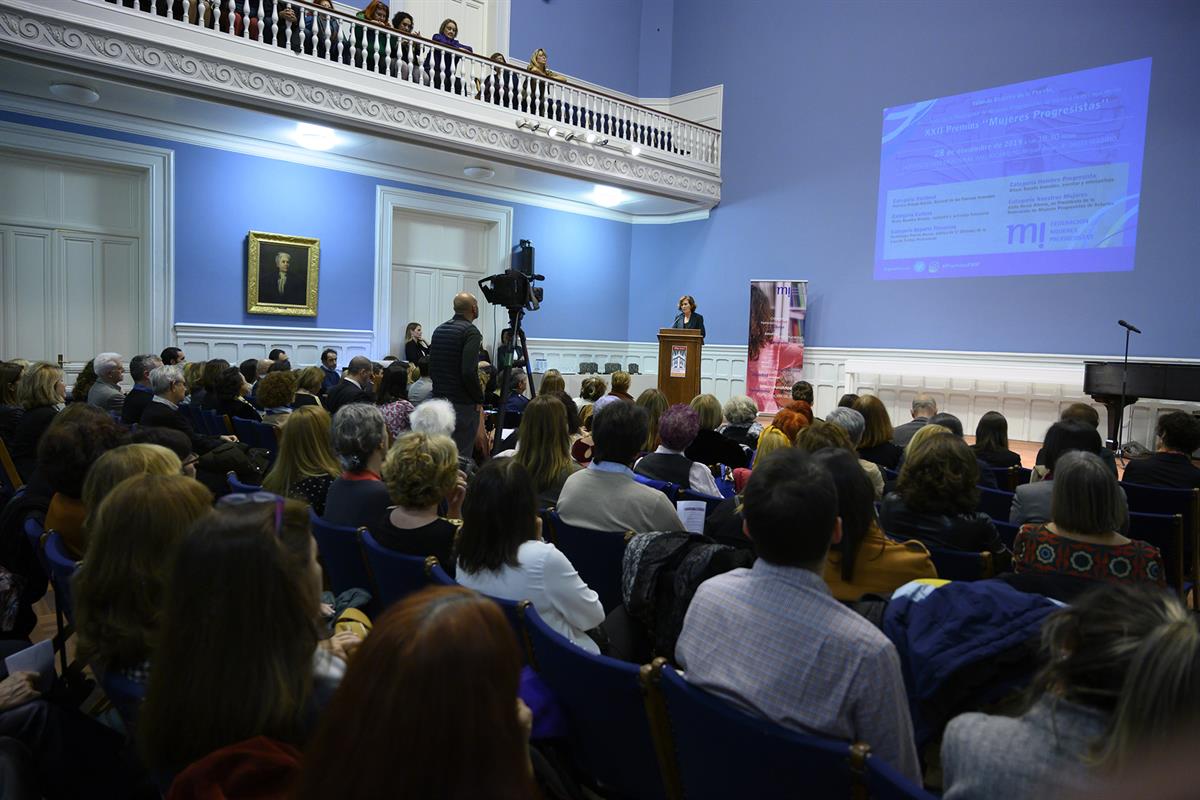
[687, 316]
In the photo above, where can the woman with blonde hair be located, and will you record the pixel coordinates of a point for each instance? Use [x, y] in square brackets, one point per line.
[305, 466]
[42, 394]
[655, 403]
[133, 536]
[876, 445]
[544, 448]
[415, 347]
[113, 467]
[308, 388]
[552, 381]
[193, 376]
[770, 440]
[420, 472]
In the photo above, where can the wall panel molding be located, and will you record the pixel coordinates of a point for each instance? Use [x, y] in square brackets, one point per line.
[236, 343]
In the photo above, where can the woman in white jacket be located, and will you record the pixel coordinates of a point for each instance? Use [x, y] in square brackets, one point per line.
[501, 553]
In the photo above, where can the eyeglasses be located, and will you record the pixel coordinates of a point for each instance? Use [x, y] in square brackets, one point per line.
[251, 498]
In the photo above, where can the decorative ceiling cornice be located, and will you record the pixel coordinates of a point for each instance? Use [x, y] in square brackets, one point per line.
[83, 42]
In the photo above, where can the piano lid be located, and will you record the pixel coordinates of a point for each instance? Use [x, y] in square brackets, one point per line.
[1161, 381]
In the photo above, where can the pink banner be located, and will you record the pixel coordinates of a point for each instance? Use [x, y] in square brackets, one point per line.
[776, 346]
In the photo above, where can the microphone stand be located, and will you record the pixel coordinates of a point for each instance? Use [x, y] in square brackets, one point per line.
[1119, 450]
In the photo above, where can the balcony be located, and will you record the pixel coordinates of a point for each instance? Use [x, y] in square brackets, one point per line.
[389, 99]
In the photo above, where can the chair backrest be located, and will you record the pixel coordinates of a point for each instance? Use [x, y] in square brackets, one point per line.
[596, 555]
[669, 489]
[710, 503]
[394, 575]
[1007, 531]
[244, 429]
[33, 534]
[889, 474]
[125, 695]
[514, 612]
[706, 734]
[606, 717]
[995, 502]
[62, 568]
[1164, 500]
[340, 549]
[884, 782]
[1164, 531]
[237, 486]
[8, 470]
[957, 565]
[1021, 476]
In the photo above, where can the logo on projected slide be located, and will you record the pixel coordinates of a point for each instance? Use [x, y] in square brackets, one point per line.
[1036, 233]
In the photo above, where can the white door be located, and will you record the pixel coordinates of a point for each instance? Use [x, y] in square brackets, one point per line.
[26, 263]
[435, 257]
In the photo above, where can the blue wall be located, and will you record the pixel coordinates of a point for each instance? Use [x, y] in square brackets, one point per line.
[596, 41]
[220, 196]
[803, 98]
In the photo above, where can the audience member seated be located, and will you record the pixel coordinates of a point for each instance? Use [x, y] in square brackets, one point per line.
[237, 652]
[106, 393]
[517, 386]
[10, 409]
[114, 466]
[552, 381]
[936, 498]
[1032, 502]
[355, 387]
[172, 355]
[954, 425]
[392, 398]
[141, 394]
[991, 441]
[924, 406]
[360, 439]
[406, 691]
[544, 448]
[1177, 436]
[854, 425]
[865, 561]
[803, 390]
[231, 390]
[330, 377]
[741, 424]
[1077, 412]
[774, 642]
[1082, 540]
[309, 384]
[305, 466]
[66, 453]
[792, 418]
[212, 371]
[877, 445]
[847, 400]
[275, 393]
[1117, 683]
[193, 376]
[621, 381]
[709, 446]
[501, 553]
[770, 440]
[591, 390]
[421, 472]
[84, 382]
[175, 441]
[655, 403]
[250, 370]
[422, 388]
[163, 411]
[825, 434]
[132, 539]
[605, 496]
[41, 394]
[574, 431]
[677, 430]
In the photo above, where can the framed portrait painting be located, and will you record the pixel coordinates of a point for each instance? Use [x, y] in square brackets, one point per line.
[281, 274]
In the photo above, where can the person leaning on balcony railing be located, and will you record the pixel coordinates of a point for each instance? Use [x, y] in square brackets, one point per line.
[406, 52]
[535, 100]
[439, 69]
[370, 43]
[502, 87]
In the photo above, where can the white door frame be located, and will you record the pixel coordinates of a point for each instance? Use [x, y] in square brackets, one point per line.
[498, 247]
[157, 166]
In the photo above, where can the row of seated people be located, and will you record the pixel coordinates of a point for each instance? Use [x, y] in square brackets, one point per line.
[371, 45]
[421, 471]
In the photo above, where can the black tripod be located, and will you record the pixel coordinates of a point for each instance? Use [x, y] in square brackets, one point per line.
[516, 337]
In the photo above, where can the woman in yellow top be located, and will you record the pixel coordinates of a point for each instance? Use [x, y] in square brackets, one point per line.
[865, 561]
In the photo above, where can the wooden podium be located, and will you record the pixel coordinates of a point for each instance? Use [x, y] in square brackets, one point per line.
[679, 364]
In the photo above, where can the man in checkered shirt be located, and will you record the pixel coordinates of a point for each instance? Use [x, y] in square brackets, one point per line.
[774, 641]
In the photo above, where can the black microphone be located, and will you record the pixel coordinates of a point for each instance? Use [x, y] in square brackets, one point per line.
[1125, 324]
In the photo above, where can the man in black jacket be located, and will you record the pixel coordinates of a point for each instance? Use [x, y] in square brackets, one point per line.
[454, 369]
[355, 387]
[1178, 435]
[141, 394]
[163, 410]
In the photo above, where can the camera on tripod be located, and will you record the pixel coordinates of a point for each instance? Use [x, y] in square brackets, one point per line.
[514, 288]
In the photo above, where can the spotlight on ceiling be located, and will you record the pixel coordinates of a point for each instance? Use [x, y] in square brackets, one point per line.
[480, 173]
[552, 131]
[590, 137]
[608, 196]
[74, 93]
[314, 137]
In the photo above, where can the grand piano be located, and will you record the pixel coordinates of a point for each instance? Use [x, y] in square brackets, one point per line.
[1102, 380]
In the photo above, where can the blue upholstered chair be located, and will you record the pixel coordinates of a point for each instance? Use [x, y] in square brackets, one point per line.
[957, 565]
[1007, 531]
[595, 554]
[125, 695]
[341, 554]
[394, 575]
[1164, 531]
[885, 783]
[238, 487]
[669, 489]
[607, 729]
[995, 502]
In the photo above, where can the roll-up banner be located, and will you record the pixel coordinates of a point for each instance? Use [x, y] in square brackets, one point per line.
[776, 346]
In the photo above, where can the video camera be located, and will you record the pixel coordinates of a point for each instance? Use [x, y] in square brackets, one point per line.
[514, 287]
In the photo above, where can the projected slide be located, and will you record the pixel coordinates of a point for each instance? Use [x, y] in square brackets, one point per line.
[1033, 178]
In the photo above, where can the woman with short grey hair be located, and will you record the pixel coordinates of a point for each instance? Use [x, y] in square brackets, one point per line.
[741, 424]
[360, 438]
[849, 420]
[1082, 540]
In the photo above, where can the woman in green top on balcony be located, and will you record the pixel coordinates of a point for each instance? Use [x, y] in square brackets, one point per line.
[371, 54]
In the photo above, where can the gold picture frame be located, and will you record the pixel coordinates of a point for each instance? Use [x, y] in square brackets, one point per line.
[292, 294]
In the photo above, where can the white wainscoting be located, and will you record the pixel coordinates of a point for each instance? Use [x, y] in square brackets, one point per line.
[1030, 389]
